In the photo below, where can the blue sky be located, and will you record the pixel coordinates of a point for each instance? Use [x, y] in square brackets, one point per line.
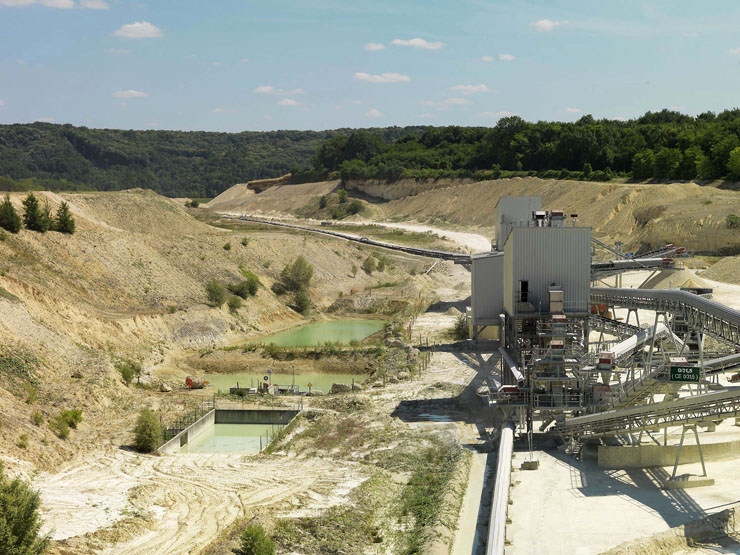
[233, 65]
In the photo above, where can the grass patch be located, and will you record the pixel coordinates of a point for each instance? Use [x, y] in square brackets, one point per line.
[282, 434]
[5, 294]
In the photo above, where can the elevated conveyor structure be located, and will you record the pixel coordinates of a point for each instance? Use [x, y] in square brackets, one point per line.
[698, 312]
[654, 416]
[611, 326]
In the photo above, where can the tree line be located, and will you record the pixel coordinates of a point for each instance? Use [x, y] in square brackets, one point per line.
[663, 145]
[195, 164]
[35, 216]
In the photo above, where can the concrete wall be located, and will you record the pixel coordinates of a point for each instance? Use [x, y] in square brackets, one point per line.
[189, 433]
[643, 456]
[244, 416]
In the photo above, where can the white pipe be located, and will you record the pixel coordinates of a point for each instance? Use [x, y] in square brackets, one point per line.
[500, 503]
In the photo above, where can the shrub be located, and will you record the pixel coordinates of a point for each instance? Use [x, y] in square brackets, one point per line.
[172, 309]
[240, 289]
[216, 293]
[34, 217]
[71, 417]
[227, 246]
[369, 265]
[297, 276]
[37, 418]
[460, 330]
[19, 517]
[192, 204]
[354, 270]
[126, 369]
[22, 441]
[60, 426]
[234, 303]
[9, 218]
[733, 221]
[245, 241]
[323, 201]
[147, 432]
[382, 263]
[302, 302]
[342, 194]
[31, 393]
[63, 221]
[254, 541]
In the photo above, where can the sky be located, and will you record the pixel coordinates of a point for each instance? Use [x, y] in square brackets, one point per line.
[236, 65]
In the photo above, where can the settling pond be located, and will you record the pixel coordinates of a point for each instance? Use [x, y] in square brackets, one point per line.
[232, 438]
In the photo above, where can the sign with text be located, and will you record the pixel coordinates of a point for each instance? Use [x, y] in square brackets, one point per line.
[684, 374]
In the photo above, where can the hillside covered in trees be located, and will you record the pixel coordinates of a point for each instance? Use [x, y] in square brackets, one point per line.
[173, 163]
[663, 146]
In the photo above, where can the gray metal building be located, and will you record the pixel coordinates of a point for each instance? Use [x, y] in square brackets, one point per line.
[511, 211]
[487, 295]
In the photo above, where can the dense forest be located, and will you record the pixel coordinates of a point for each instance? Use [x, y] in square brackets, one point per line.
[173, 163]
[661, 146]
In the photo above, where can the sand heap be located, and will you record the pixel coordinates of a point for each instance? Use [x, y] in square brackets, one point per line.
[674, 279]
[726, 270]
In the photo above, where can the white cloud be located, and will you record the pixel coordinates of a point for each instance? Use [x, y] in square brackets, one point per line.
[59, 4]
[426, 116]
[117, 51]
[444, 104]
[130, 94]
[373, 47]
[374, 113]
[2, 102]
[20, 62]
[546, 24]
[387, 77]
[46, 120]
[506, 58]
[269, 89]
[487, 58]
[734, 51]
[244, 60]
[217, 64]
[287, 102]
[470, 89]
[337, 107]
[220, 110]
[357, 102]
[139, 30]
[94, 4]
[418, 43]
[573, 111]
[495, 115]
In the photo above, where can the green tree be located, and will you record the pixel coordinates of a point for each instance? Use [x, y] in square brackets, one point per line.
[216, 292]
[127, 369]
[9, 218]
[342, 194]
[254, 541]
[302, 302]
[19, 518]
[733, 164]
[323, 201]
[733, 221]
[34, 217]
[382, 263]
[63, 221]
[234, 303]
[148, 431]
[369, 265]
[297, 275]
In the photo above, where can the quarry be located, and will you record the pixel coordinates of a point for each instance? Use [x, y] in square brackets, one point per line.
[529, 349]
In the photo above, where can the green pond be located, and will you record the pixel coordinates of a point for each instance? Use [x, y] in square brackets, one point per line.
[342, 331]
[222, 382]
[232, 438]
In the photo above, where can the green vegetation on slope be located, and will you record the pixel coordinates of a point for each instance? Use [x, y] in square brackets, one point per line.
[174, 163]
[663, 145]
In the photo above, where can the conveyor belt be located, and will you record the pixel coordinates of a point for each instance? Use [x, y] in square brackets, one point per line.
[652, 417]
[699, 313]
[611, 326]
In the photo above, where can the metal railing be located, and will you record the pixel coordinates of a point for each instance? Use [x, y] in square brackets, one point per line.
[188, 419]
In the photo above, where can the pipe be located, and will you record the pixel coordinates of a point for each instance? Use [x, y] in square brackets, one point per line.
[500, 503]
[518, 376]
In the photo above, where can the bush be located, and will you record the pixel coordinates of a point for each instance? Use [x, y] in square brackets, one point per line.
[63, 221]
[302, 302]
[126, 369]
[147, 432]
[37, 418]
[9, 218]
[245, 241]
[254, 541]
[71, 417]
[461, 330]
[227, 246]
[382, 263]
[60, 426]
[297, 276]
[733, 221]
[354, 270]
[34, 218]
[323, 201]
[19, 518]
[355, 207]
[369, 265]
[192, 203]
[240, 289]
[22, 441]
[342, 196]
[216, 293]
[234, 303]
